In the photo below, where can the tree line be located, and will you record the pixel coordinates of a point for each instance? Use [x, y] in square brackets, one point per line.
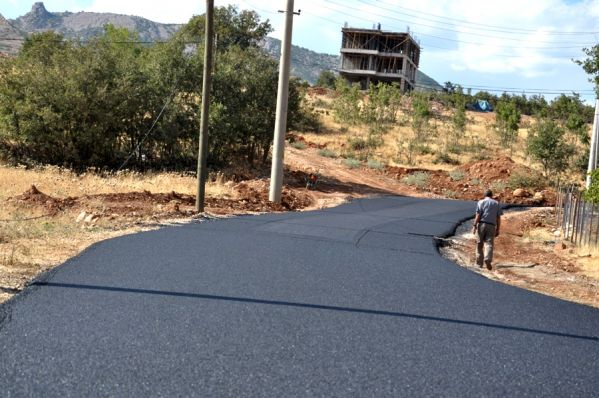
[99, 102]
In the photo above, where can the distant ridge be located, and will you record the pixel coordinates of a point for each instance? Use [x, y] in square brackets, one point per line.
[9, 37]
[306, 64]
[89, 24]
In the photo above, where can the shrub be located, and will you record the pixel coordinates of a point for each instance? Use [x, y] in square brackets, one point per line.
[357, 143]
[418, 179]
[456, 175]
[424, 150]
[498, 186]
[327, 153]
[446, 159]
[546, 145]
[532, 180]
[352, 163]
[375, 164]
[298, 145]
[450, 194]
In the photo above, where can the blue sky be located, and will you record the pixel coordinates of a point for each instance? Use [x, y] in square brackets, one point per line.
[520, 46]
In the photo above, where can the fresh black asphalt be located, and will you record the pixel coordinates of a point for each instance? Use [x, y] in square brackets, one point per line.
[350, 301]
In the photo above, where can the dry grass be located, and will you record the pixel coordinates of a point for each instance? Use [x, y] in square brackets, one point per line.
[59, 182]
[479, 140]
[32, 246]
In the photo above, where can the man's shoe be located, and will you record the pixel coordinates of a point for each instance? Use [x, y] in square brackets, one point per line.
[489, 267]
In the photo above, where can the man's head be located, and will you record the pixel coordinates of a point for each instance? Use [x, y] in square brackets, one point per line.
[488, 193]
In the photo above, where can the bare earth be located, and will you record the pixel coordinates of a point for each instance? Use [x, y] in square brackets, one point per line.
[71, 219]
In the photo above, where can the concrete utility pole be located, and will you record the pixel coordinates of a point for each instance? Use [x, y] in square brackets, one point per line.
[276, 175]
[593, 150]
[207, 83]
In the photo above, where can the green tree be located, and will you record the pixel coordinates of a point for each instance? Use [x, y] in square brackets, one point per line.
[459, 121]
[591, 65]
[507, 123]
[569, 111]
[94, 103]
[346, 106]
[326, 79]
[380, 111]
[546, 145]
[420, 127]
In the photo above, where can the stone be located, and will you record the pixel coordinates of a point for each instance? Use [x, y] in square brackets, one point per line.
[81, 217]
[91, 218]
[559, 246]
[539, 197]
[520, 193]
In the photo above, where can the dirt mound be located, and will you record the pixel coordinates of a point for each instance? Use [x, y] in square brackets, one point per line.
[298, 138]
[469, 181]
[494, 170]
[314, 91]
[34, 196]
[252, 197]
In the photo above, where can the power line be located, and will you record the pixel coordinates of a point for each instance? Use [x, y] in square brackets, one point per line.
[517, 91]
[426, 44]
[451, 30]
[87, 41]
[168, 100]
[483, 26]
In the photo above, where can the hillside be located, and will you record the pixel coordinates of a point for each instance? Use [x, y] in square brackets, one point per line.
[88, 24]
[9, 42]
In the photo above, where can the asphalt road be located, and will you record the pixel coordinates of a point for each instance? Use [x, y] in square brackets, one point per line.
[351, 301]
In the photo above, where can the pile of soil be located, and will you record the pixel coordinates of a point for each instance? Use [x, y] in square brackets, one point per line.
[51, 205]
[471, 180]
[252, 198]
[291, 138]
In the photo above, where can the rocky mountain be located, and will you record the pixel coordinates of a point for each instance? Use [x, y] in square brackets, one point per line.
[305, 63]
[88, 24]
[10, 37]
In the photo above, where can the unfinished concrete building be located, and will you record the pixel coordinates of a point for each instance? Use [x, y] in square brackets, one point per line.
[373, 55]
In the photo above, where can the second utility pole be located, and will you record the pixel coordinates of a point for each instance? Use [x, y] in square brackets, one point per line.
[278, 149]
[207, 83]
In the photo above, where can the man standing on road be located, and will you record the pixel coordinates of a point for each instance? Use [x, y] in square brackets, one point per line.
[486, 227]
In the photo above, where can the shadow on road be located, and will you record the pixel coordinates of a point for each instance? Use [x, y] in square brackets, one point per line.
[314, 306]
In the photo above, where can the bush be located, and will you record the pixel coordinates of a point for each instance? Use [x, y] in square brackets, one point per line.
[546, 145]
[298, 145]
[327, 153]
[450, 194]
[446, 159]
[591, 194]
[352, 163]
[357, 143]
[424, 150]
[456, 175]
[375, 164]
[498, 186]
[418, 179]
[532, 181]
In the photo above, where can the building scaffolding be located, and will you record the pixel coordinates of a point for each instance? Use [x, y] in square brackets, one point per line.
[373, 55]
